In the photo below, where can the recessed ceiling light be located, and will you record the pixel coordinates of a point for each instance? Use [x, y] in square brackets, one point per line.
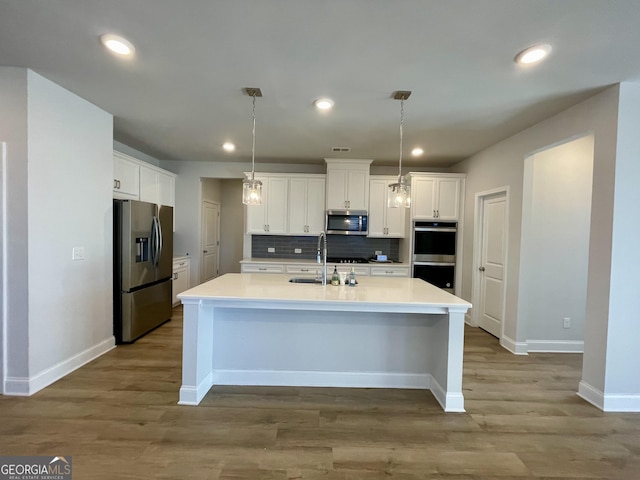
[533, 54]
[416, 152]
[228, 146]
[118, 45]
[323, 103]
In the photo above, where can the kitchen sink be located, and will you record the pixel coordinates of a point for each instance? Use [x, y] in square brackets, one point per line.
[305, 280]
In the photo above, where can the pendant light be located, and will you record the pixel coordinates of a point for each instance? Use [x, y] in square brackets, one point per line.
[252, 188]
[399, 194]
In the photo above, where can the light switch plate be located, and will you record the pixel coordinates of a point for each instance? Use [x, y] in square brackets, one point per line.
[78, 253]
[297, 250]
[271, 250]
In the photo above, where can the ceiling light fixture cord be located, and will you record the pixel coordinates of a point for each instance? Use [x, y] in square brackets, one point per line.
[401, 122]
[253, 144]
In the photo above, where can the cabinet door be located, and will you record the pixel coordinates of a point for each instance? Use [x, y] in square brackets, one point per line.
[377, 208]
[261, 268]
[149, 191]
[423, 197]
[448, 198]
[180, 283]
[298, 204]
[126, 176]
[396, 220]
[277, 205]
[358, 190]
[315, 206]
[256, 214]
[389, 271]
[166, 189]
[336, 189]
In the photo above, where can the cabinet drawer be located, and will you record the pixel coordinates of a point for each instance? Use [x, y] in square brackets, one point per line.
[389, 271]
[346, 267]
[304, 269]
[257, 268]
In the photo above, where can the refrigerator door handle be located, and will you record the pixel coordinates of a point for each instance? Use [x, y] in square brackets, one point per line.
[159, 230]
[154, 242]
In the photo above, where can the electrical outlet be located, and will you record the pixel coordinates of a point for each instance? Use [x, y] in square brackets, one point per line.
[297, 250]
[271, 250]
[378, 252]
[566, 322]
[77, 253]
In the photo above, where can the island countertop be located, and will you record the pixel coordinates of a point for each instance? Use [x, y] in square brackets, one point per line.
[371, 293]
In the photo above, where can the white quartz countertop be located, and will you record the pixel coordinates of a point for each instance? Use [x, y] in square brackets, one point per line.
[372, 294]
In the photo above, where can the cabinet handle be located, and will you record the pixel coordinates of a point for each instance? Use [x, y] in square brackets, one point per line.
[388, 271]
[437, 213]
[304, 269]
[262, 269]
[175, 276]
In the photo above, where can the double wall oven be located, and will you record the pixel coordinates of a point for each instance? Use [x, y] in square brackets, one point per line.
[434, 253]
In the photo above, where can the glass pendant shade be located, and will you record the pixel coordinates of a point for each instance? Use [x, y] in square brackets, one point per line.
[251, 191]
[399, 195]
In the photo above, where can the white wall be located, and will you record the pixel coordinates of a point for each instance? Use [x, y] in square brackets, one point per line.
[555, 245]
[66, 183]
[612, 356]
[503, 164]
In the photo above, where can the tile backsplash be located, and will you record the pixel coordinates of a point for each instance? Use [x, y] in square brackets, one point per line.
[337, 246]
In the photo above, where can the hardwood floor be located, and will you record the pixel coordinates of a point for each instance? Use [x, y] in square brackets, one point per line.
[118, 419]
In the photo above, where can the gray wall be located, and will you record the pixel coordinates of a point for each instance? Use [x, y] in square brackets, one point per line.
[59, 180]
[555, 244]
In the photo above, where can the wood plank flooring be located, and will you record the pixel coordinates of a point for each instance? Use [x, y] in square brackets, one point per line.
[118, 418]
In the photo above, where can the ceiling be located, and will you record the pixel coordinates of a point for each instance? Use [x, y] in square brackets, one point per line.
[182, 95]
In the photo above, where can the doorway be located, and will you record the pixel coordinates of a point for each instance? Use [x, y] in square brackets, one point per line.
[490, 260]
[210, 240]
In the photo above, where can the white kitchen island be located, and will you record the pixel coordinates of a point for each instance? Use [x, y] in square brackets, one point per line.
[259, 329]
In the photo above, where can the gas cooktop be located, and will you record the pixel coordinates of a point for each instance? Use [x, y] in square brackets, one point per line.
[347, 260]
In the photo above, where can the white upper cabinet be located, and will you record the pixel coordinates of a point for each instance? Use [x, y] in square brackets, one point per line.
[271, 216]
[347, 184]
[436, 197]
[126, 177]
[384, 221]
[157, 186]
[137, 180]
[306, 204]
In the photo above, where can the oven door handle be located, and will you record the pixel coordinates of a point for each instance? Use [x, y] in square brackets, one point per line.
[435, 264]
[434, 229]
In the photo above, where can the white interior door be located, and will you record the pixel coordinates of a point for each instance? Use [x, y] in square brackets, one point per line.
[491, 267]
[210, 240]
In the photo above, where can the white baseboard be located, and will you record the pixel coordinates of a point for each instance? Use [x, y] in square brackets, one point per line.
[517, 348]
[555, 346]
[194, 395]
[23, 386]
[608, 402]
[322, 379]
[450, 402]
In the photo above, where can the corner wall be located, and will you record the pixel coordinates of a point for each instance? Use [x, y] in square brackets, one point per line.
[503, 164]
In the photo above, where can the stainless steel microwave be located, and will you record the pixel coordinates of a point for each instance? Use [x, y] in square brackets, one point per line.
[347, 222]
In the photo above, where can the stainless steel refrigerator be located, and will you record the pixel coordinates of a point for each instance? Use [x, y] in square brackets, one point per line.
[142, 267]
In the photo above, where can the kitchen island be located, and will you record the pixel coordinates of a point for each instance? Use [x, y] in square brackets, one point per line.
[260, 329]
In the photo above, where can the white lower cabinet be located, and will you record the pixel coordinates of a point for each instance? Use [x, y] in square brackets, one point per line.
[181, 273]
[309, 269]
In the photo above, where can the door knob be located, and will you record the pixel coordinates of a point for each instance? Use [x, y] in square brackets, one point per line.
[205, 251]
[481, 269]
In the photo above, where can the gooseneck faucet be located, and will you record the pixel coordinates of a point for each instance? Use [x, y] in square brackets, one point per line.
[322, 255]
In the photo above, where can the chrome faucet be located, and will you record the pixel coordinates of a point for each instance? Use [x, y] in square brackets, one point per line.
[322, 255]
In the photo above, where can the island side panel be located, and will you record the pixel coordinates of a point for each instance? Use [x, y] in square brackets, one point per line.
[197, 353]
